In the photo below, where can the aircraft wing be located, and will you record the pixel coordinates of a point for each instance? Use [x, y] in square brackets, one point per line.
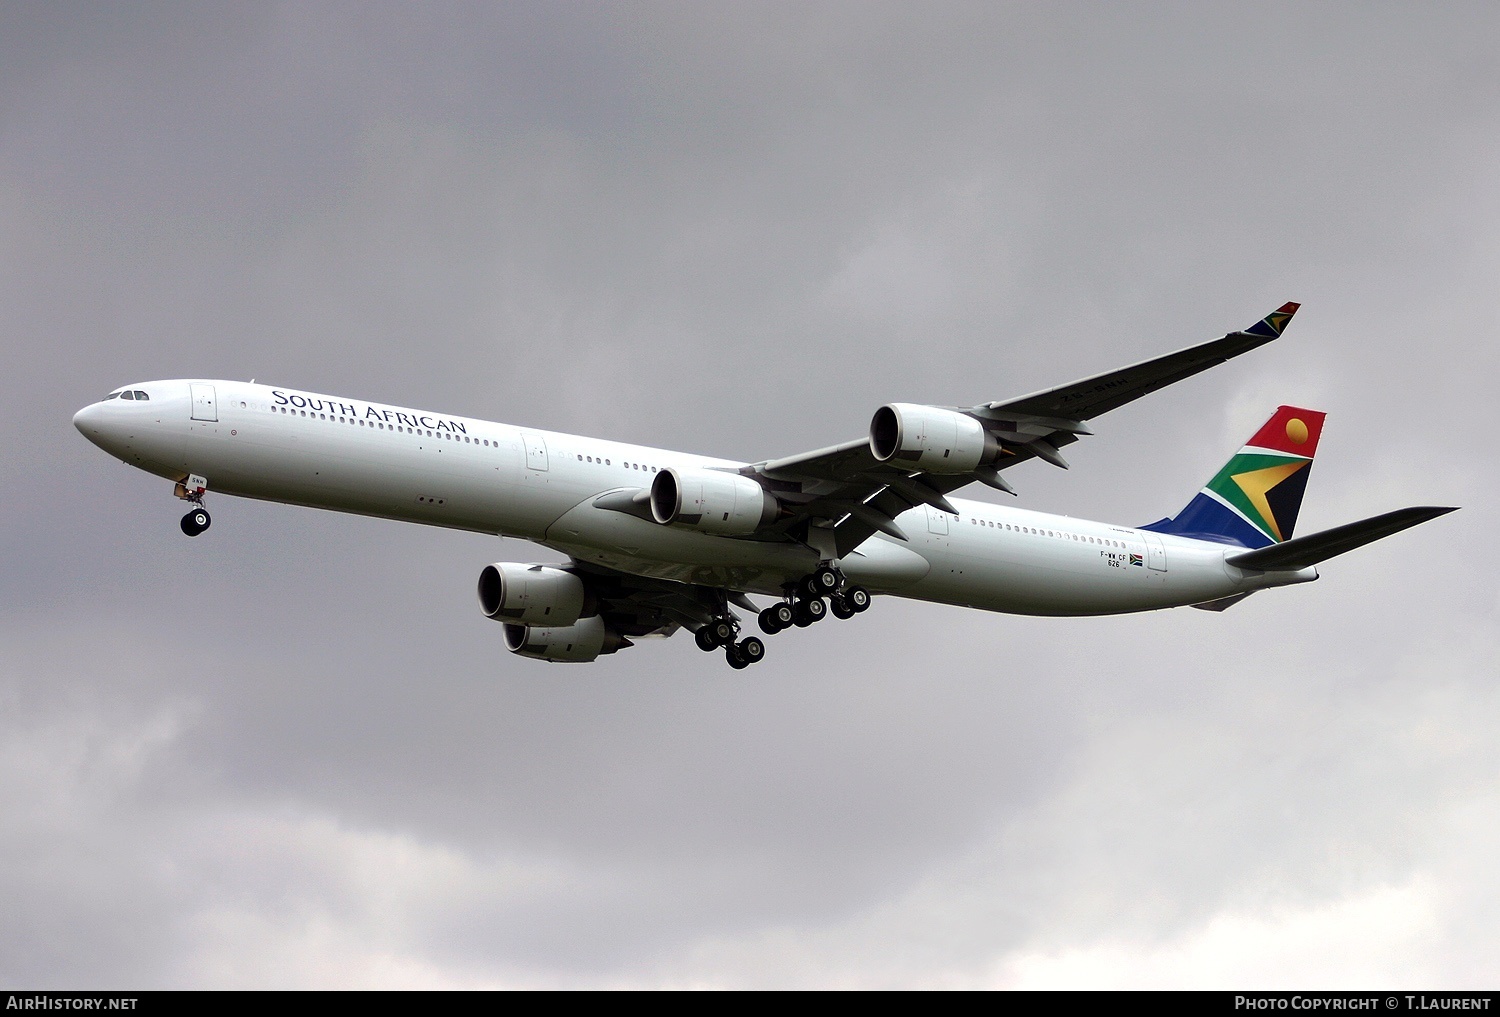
[845, 488]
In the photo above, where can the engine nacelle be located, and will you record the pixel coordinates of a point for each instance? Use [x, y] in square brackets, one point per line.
[711, 501]
[531, 594]
[578, 643]
[930, 439]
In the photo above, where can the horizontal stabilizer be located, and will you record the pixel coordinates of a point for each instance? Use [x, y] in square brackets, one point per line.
[1223, 603]
[1301, 552]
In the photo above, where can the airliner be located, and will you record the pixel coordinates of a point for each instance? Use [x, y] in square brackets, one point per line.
[658, 540]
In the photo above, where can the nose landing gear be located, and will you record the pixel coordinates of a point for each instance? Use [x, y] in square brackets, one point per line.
[192, 489]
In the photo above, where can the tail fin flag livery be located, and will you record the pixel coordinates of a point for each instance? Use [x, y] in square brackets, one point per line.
[1254, 500]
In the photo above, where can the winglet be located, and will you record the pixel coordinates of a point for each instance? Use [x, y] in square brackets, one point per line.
[1273, 324]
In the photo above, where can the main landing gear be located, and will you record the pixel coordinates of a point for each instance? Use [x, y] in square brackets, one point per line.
[721, 632]
[807, 601]
[192, 489]
[804, 603]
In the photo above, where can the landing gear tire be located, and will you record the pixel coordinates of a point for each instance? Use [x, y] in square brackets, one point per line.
[751, 650]
[858, 598]
[195, 522]
[808, 611]
[723, 631]
[841, 607]
[732, 654]
[826, 580]
[775, 618]
[704, 637]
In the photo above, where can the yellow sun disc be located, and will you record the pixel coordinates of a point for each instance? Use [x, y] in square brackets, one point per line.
[1296, 430]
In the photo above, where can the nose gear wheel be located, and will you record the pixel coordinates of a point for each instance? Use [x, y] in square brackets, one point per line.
[196, 521]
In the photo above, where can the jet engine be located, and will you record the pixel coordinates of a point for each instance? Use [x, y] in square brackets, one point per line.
[711, 501]
[531, 594]
[930, 439]
[578, 643]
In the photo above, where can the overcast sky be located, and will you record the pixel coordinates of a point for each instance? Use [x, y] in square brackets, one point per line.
[292, 752]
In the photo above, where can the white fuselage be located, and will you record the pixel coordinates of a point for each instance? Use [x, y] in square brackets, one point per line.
[351, 455]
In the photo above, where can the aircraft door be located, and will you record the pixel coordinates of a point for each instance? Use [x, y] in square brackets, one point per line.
[937, 521]
[536, 452]
[1156, 554]
[204, 405]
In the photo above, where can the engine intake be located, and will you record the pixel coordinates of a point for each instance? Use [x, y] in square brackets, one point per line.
[711, 501]
[930, 439]
[578, 643]
[531, 594]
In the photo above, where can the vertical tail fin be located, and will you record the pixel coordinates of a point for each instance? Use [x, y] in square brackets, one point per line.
[1254, 500]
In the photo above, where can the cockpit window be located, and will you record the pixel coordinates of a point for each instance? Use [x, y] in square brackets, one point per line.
[140, 396]
[112, 395]
[127, 395]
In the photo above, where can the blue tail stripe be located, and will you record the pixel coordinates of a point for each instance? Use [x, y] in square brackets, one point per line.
[1207, 519]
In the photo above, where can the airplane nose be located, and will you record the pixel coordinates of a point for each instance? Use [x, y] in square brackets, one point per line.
[87, 418]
